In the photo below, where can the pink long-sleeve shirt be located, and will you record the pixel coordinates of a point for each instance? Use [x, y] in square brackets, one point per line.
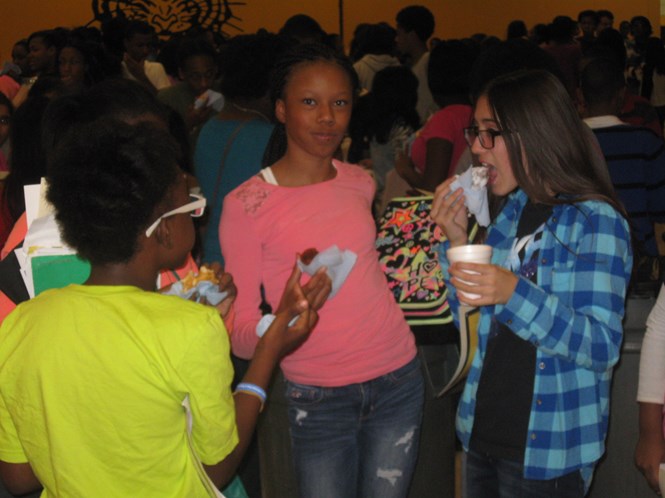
[361, 333]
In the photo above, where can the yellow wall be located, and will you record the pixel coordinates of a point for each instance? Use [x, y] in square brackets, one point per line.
[455, 18]
[460, 18]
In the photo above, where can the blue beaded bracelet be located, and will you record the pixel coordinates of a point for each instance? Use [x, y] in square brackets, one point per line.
[252, 390]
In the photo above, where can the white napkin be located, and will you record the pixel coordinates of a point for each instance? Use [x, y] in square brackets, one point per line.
[205, 289]
[210, 98]
[338, 265]
[475, 196]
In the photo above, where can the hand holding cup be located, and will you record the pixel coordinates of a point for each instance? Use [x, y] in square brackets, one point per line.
[478, 282]
[471, 253]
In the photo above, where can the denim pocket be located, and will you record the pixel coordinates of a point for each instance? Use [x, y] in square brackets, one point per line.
[303, 395]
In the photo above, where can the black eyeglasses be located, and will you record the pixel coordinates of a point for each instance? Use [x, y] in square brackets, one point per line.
[486, 137]
[5, 120]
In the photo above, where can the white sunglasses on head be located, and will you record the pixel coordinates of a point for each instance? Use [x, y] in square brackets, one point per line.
[195, 208]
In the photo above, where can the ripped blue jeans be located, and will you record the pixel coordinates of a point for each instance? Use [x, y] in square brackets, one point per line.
[359, 440]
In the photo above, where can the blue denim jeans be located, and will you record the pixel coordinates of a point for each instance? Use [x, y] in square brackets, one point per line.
[359, 440]
[488, 477]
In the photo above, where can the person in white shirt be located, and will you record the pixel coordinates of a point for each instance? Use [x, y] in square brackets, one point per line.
[378, 48]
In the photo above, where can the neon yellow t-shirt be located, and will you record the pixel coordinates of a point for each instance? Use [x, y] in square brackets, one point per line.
[92, 381]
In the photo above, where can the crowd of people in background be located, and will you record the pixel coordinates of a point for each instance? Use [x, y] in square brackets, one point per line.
[183, 71]
[243, 120]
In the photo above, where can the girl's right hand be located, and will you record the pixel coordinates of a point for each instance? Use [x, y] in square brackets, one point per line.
[449, 212]
[318, 288]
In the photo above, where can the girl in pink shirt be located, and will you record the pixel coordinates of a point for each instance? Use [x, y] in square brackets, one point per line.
[355, 389]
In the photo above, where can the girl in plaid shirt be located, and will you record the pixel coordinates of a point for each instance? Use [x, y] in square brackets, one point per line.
[534, 411]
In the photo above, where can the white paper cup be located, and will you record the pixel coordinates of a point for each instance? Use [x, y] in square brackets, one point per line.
[472, 253]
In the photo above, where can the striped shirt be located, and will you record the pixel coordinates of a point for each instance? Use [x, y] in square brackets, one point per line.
[636, 161]
[572, 314]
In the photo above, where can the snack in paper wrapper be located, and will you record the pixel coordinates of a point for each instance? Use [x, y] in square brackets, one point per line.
[308, 255]
[338, 264]
[479, 177]
[203, 285]
[192, 279]
[474, 182]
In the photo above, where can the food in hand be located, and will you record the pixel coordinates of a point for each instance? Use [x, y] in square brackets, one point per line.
[308, 255]
[479, 176]
[192, 278]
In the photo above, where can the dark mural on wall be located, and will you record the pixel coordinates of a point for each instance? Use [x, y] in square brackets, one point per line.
[174, 17]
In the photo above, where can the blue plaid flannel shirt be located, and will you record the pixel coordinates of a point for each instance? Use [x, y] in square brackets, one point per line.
[573, 317]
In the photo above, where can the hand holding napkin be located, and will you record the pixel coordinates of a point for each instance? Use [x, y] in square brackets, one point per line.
[475, 194]
[338, 264]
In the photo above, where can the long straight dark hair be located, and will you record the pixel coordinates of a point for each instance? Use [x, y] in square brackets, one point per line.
[553, 153]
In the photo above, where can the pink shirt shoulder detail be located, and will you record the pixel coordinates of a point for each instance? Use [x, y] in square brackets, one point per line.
[252, 194]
